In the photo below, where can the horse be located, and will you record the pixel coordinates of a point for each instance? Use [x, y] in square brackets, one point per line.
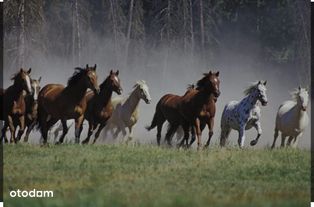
[292, 119]
[206, 118]
[99, 107]
[13, 104]
[244, 115]
[125, 113]
[185, 110]
[31, 102]
[57, 102]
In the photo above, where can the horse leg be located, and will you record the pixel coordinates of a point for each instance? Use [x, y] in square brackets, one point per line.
[257, 126]
[210, 125]
[198, 133]
[241, 138]
[28, 131]
[65, 130]
[186, 129]
[296, 140]
[159, 129]
[3, 132]
[130, 137]
[98, 131]
[12, 129]
[283, 140]
[90, 132]
[172, 129]
[78, 125]
[275, 138]
[224, 134]
[22, 127]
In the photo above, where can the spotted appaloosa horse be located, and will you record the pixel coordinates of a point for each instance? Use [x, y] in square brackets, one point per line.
[244, 115]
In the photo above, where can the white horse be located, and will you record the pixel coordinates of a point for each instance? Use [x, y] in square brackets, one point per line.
[244, 115]
[125, 113]
[292, 119]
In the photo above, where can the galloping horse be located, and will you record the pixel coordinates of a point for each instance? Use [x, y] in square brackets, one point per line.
[125, 113]
[292, 119]
[31, 102]
[12, 104]
[206, 118]
[185, 110]
[56, 102]
[244, 115]
[99, 107]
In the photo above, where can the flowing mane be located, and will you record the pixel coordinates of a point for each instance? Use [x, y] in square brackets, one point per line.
[250, 88]
[79, 72]
[190, 87]
[104, 83]
[200, 83]
[139, 83]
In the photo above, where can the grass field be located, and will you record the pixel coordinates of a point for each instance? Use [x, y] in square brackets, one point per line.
[119, 175]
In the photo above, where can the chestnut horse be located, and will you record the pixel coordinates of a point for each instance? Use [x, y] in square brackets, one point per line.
[31, 102]
[186, 110]
[56, 102]
[99, 107]
[13, 104]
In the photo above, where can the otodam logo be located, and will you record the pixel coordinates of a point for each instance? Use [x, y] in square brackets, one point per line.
[32, 193]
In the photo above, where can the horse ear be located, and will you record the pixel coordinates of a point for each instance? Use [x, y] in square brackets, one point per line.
[111, 72]
[217, 74]
[265, 83]
[210, 72]
[21, 70]
[29, 70]
[39, 79]
[95, 67]
[86, 66]
[299, 88]
[117, 73]
[259, 82]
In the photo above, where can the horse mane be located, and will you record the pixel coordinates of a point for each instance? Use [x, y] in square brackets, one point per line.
[190, 86]
[295, 94]
[138, 83]
[79, 72]
[15, 75]
[200, 83]
[250, 88]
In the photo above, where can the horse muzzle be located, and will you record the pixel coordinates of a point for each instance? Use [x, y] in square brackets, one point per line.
[119, 91]
[217, 94]
[96, 90]
[147, 101]
[303, 108]
[264, 103]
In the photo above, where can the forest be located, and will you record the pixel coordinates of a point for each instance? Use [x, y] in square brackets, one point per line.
[149, 35]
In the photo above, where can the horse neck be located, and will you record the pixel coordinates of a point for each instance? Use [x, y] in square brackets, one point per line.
[250, 101]
[299, 113]
[105, 95]
[17, 90]
[132, 101]
[76, 92]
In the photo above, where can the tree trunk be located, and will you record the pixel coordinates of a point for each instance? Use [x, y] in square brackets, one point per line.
[191, 27]
[76, 37]
[128, 36]
[114, 27]
[78, 33]
[21, 35]
[184, 25]
[202, 27]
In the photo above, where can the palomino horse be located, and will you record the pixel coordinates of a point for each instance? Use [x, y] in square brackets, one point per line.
[292, 119]
[99, 107]
[185, 110]
[13, 104]
[31, 107]
[244, 115]
[56, 102]
[125, 113]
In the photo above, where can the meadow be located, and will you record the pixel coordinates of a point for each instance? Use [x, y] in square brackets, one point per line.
[144, 175]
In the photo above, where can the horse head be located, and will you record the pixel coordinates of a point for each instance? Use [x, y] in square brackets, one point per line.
[210, 83]
[303, 98]
[89, 76]
[114, 82]
[143, 91]
[261, 92]
[35, 88]
[22, 78]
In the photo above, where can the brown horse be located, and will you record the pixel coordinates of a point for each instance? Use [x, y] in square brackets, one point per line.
[99, 107]
[31, 107]
[56, 102]
[188, 109]
[13, 104]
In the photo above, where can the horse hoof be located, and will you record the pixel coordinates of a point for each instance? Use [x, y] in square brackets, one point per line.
[253, 142]
[57, 143]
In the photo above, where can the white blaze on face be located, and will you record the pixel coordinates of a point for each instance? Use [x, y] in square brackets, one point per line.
[28, 83]
[116, 79]
[35, 95]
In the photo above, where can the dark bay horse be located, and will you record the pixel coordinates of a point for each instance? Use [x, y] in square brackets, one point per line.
[31, 102]
[99, 107]
[56, 102]
[188, 109]
[12, 104]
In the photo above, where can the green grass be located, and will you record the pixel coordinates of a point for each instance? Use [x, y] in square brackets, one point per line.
[119, 175]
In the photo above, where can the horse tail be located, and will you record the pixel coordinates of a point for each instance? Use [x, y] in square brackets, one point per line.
[158, 116]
